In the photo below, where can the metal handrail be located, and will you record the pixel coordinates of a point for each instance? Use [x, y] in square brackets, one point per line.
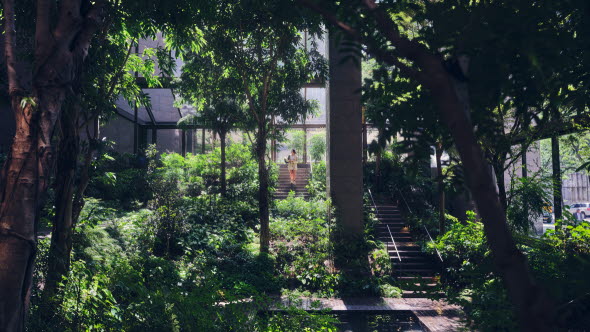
[426, 229]
[431, 240]
[404, 198]
[388, 228]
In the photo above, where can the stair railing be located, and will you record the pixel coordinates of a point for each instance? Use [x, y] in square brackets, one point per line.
[388, 229]
[426, 229]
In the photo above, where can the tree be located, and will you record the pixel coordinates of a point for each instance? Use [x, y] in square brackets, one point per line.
[109, 73]
[442, 67]
[297, 140]
[216, 93]
[43, 67]
[317, 147]
[37, 94]
[221, 116]
[260, 44]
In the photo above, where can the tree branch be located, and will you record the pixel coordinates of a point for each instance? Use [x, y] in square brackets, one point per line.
[407, 48]
[43, 35]
[69, 23]
[120, 72]
[332, 19]
[91, 23]
[14, 87]
[268, 78]
[246, 88]
[355, 35]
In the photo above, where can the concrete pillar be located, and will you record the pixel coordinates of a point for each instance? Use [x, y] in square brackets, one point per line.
[344, 135]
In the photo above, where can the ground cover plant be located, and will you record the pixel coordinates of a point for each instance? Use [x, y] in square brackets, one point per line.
[559, 260]
[186, 260]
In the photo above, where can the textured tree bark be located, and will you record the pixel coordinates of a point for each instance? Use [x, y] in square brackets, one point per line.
[58, 263]
[533, 308]
[26, 177]
[222, 135]
[557, 191]
[60, 48]
[263, 199]
[500, 182]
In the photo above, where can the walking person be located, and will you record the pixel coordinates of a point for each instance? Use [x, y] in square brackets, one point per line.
[292, 160]
[578, 215]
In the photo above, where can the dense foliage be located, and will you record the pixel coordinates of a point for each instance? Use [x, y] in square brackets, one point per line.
[187, 259]
[560, 261]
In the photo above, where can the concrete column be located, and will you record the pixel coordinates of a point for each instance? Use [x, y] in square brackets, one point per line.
[344, 135]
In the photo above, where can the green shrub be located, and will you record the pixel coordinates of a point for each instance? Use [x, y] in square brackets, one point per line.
[468, 278]
[317, 147]
[298, 207]
[560, 262]
[527, 198]
[119, 177]
[388, 290]
[300, 237]
[317, 181]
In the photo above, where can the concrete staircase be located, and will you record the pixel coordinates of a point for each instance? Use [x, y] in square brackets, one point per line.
[284, 185]
[414, 269]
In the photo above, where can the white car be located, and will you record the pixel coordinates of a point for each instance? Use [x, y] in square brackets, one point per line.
[584, 209]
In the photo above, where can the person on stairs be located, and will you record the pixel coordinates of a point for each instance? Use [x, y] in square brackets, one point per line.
[292, 161]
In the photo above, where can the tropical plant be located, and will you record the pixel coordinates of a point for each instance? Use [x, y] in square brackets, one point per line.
[317, 147]
[258, 47]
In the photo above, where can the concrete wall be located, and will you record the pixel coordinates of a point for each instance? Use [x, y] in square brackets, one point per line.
[533, 164]
[576, 188]
[169, 140]
[120, 131]
[533, 167]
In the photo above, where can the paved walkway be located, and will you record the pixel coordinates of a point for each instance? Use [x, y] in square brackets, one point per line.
[434, 316]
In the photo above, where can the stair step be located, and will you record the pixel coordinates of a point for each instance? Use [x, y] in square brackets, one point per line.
[414, 264]
[403, 272]
[417, 279]
[405, 252]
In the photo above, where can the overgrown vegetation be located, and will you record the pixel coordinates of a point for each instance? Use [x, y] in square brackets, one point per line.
[184, 257]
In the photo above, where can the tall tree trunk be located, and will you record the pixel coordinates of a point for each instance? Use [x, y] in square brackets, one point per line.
[557, 191]
[441, 189]
[263, 199]
[534, 309]
[58, 263]
[222, 135]
[25, 175]
[524, 176]
[501, 183]
[524, 162]
[25, 178]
